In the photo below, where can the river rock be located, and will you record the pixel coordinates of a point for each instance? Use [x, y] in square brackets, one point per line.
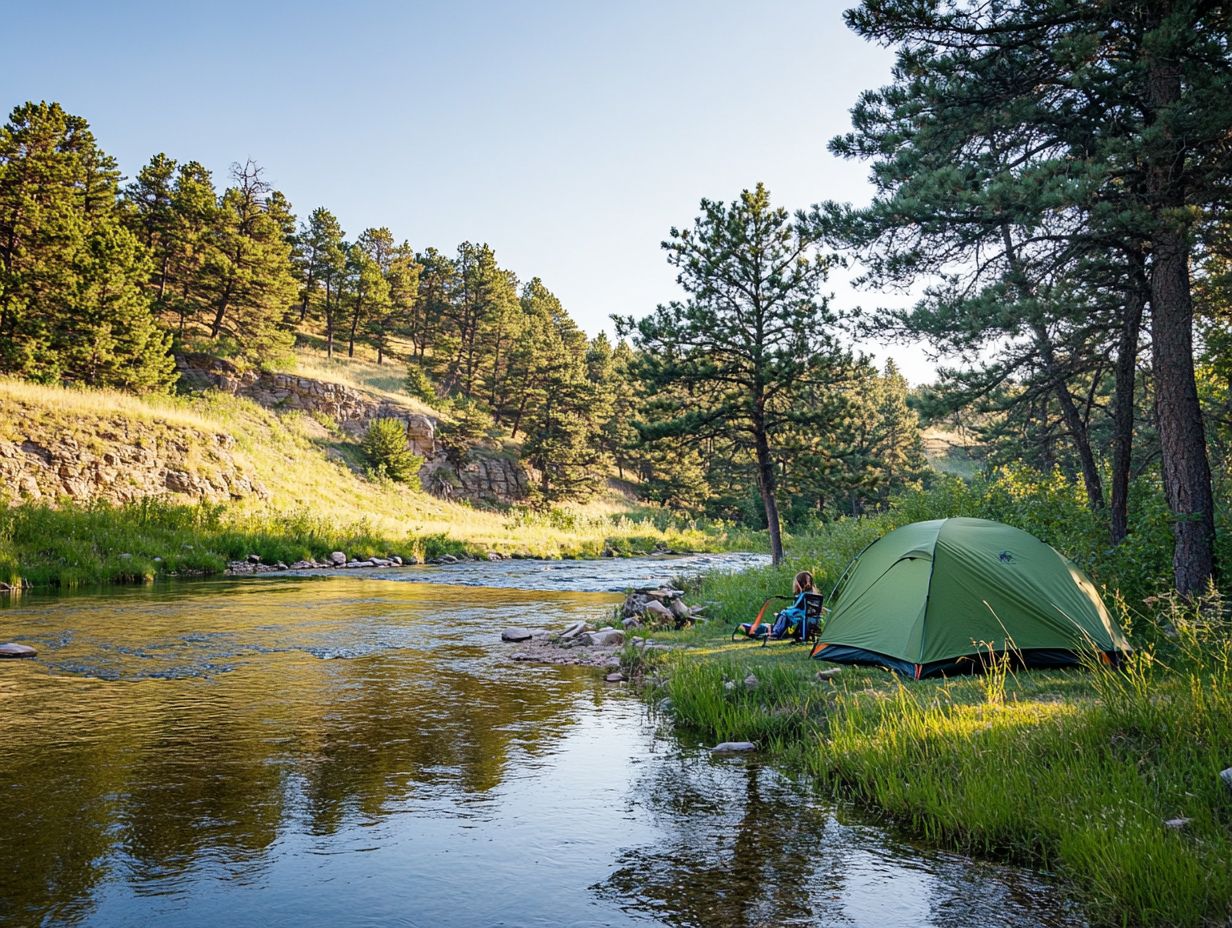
[447, 559]
[680, 610]
[395, 560]
[16, 650]
[572, 630]
[493, 556]
[617, 677]
[733, 747]
[603, 638]
[381, 562]
[337, 558]
[658, 610]
[517, 634]
[254, 559]
[631, 622]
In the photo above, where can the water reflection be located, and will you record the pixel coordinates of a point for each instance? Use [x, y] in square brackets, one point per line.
[346, 752]
[743, 846]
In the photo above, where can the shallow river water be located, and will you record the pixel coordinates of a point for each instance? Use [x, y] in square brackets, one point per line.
[347, 750]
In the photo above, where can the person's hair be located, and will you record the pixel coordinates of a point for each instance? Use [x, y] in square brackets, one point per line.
[804, 582]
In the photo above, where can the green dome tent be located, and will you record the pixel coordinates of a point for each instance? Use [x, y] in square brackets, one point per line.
[932, 597]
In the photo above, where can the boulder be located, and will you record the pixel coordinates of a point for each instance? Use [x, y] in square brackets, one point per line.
[631, 622]
[733, 747]
[517, 634]
[381, 562]
[603, 638]
[447, 559]
[658, 611]
[617, 677]
[16, 650]
[337, 558]
[254, 559]
[680, 610]
[395, 560]
[493, 556]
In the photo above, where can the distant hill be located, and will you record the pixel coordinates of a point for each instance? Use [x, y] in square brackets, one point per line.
[949, 452]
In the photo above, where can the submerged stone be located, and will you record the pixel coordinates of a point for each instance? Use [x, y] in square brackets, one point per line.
[16, 650]
[733, 747]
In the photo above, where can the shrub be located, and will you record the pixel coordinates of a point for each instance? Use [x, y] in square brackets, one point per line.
[418, 384]
[387, 452]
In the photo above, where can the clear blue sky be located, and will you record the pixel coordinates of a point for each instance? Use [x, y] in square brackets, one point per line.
[569, 135]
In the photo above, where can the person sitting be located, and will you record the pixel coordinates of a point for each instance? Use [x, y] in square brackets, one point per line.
[795, 615]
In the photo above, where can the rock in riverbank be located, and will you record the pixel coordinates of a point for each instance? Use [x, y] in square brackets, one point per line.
[661, 607]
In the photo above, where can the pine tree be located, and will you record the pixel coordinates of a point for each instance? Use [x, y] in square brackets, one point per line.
[402, 276]
[72, 276]
[753, 330]
[368, 288]
[153, 218]
[431, 310]
[1071, 148]
[249, 266]
[194, 210]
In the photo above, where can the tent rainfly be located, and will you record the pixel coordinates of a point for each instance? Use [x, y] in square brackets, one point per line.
[935, 597]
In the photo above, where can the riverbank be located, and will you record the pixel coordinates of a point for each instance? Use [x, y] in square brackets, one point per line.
[1110, 779]
[75, 546]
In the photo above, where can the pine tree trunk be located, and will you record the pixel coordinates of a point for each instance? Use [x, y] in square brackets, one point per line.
[221, 311]
[1187, 475]
[1186, 471]
[1123, 398]
[329, 325]
[354, 325]
[767, 485]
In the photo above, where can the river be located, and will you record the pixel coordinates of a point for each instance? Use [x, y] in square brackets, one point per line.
[347, 749]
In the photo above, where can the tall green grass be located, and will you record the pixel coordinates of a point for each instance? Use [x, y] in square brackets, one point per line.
[1075, 771]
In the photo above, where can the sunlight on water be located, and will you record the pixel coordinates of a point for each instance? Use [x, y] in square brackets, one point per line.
[347, 752]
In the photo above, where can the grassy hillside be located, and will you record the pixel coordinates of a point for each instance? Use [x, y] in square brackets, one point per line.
[950, 452]
[318, 497]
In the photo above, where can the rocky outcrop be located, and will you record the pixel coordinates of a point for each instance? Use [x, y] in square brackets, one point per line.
[486, 476]
[351, 409]
[120, 460]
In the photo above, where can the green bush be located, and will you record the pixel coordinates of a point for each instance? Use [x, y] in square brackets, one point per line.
[418, 384]
[388, 454]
